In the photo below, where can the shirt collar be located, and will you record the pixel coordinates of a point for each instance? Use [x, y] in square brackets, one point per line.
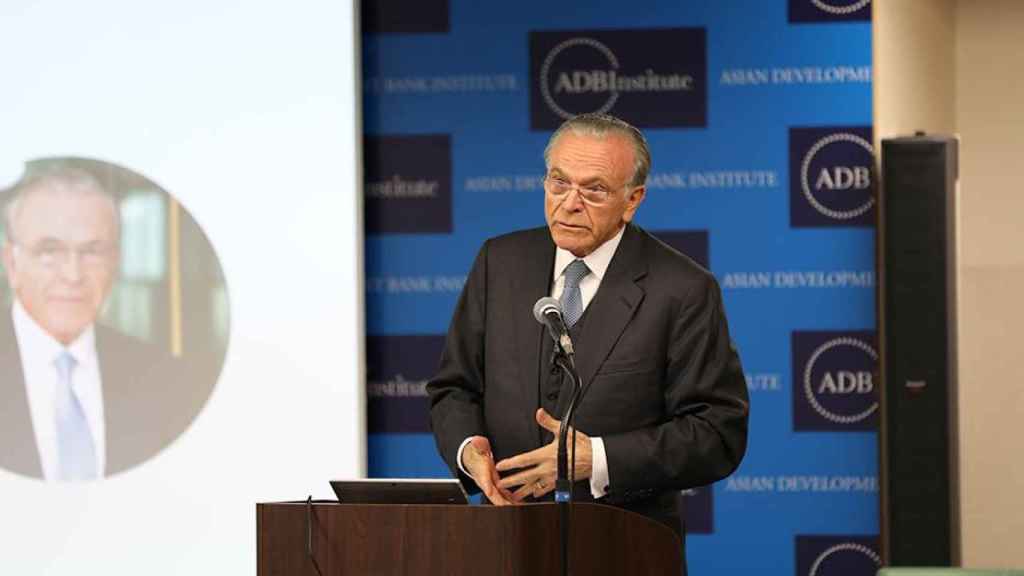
[597, 261]
[41, 345]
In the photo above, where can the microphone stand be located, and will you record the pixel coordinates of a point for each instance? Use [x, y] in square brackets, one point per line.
[563, 358]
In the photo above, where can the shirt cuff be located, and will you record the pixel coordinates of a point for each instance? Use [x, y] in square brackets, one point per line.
[458, 456]
[598, 469]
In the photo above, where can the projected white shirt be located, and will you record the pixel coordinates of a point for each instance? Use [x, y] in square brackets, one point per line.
[38, 350]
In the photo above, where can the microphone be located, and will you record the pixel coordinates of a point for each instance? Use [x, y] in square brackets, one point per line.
[548, 311]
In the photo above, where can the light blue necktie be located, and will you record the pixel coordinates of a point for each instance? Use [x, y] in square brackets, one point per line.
[572, 299]
[76, 453]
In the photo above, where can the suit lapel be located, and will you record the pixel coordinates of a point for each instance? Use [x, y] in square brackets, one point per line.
[534, 283]
[18, 450]
[113, 374]
[613, 306]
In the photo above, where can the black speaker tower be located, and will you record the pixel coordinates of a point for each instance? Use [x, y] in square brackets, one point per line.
[920, 489]
[918, 440]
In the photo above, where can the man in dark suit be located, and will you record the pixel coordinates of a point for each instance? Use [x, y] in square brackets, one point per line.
[78, 401]
[665, 405]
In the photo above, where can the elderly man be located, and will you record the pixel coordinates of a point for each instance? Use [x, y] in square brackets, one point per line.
[77, 401]
[665, 405]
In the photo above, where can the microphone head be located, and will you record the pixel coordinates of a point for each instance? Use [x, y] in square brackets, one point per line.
[544, 306]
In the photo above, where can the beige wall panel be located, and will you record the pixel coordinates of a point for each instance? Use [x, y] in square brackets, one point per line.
[990, 119]
[914, 80]
[992, 417]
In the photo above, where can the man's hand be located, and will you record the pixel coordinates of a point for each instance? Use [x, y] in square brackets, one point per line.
[540, 466]
[479, 462]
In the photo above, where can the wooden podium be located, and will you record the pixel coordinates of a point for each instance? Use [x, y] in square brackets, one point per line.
[380, 539]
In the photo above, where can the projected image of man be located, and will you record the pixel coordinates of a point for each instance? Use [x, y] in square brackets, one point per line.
[78, 401]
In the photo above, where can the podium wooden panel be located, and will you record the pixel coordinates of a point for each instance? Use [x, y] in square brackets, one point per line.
[379, 539]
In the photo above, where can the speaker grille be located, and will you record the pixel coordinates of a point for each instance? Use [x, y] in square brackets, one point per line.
[918, 324]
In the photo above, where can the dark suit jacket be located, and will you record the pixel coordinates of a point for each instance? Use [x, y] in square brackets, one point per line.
[663, 385]
[145, 407]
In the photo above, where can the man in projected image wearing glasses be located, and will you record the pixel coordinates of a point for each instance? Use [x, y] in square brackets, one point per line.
[78, 401]
[665, 405]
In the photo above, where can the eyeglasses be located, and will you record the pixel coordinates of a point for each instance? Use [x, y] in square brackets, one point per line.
[53, 254]
[594, 194]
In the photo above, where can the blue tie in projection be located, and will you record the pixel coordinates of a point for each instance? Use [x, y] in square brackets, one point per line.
[75, 449]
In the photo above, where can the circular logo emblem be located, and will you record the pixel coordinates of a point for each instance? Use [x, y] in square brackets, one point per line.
[839, 380]
[835, 180]
[846, 558]
[840, 10]
[574, 78]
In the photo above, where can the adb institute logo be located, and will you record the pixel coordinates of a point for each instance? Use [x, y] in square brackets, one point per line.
[834, 381]
[408, 184]
[693, 243]
[404, 16]
[837, 555]
[831, 176]
[397, 370]
[823, 11]
[652, 78]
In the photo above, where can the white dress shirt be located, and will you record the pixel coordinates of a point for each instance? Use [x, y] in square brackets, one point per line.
[597, 261]
[38, 350]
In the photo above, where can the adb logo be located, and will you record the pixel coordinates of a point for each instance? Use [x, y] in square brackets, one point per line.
[397, 369]
[837, 555]
[651, 78]
[823, 11]
[831, 176]
[693, 243]
[834, 381]
[408, 184]
[699, 510]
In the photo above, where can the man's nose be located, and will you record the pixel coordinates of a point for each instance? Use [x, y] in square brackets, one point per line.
[573, 201]
[71, 267]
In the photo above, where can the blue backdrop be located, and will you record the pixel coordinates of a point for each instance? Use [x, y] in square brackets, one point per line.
[758, 115]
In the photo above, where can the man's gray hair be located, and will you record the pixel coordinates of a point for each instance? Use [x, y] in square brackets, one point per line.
[599, 126]
[55, 176]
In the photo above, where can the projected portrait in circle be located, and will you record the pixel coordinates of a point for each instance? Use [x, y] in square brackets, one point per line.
[114, 321]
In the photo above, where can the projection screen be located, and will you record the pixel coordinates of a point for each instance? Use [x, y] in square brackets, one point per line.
[182, 216]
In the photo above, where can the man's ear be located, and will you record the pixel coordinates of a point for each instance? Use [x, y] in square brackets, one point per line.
[633, 201]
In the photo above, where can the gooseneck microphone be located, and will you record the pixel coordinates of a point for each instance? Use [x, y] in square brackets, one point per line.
[548, 311]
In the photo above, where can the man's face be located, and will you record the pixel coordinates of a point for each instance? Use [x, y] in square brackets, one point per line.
[64, 259]
[600, 163]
